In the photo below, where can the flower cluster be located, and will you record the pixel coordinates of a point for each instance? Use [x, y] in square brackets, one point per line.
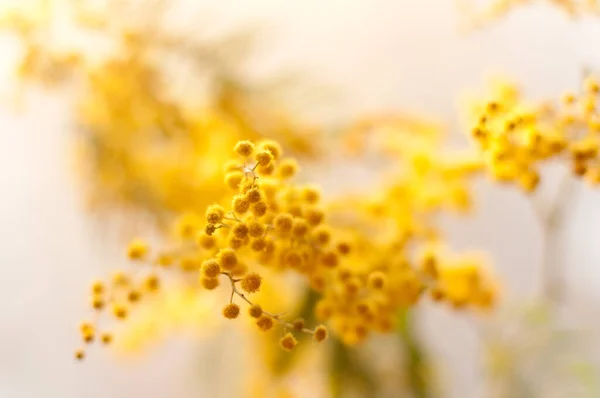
[477, 15]
[270, 222]
[363, 261]
[117, 297]
[516, 137]
[142, 145]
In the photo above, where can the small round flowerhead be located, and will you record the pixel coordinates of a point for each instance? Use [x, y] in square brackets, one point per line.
[568, 98]
[258, 244]
[137, 249]
[120, 279]
[244, 148]
[233, 180]
[283, 223]
[240, 230]
[251, 282]
[273, 147]
[329, 259]
[287, 168]
[256, 229]
[343, 248]
[314, 216]
[231, 311]
[245, 186]
[322, 235]
[254, 195]
[288, 342]
[133, 296]
[235, 243]
[298, 324]
[265, 323]
[255, 311]
[98, 303]
[266, 169]
[210, 268]
[152, 283]
[293, 259]
[299, 227]
[205, 241]
[343, 274]
[320, 333]
[376, 280]
[210, 229]
[215, 214]
[86, 328]
[165, 259]
[240, 204]
[106, 338]
[88, 336]
[227, 258]
[80, 355]
[209, 283]
[311, 194]
[97, 287]
[352, 286]
[264, 157]
[260, 209]
[119, 311]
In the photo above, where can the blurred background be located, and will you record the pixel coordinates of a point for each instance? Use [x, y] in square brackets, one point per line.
[351, 58]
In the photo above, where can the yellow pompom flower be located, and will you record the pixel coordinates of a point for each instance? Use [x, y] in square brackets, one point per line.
[231, 311]
[244, 148]
[287, 168]
[215, 214]
[210, 268]
[209, 283]
[255, 311]
[321, 333]
[227, 259]
[240, 231]
[283, 223]
[264, 157]
[119, 311]
[288, 342]
[233, 179]
[273, 147]
[251, 282]
[241, 204]
[106, 338]
[137, 249]
[265, 323]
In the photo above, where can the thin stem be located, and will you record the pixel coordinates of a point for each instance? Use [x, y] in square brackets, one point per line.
[417, 380]
[550, 222]
[276, 317]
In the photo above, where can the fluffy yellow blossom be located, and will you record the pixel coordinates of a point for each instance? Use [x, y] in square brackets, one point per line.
[320, 333]
[288, 342]
[479, 13]
[231, 311]
[137, 249]
[517, 137]
[362, 269]
[251, 282]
